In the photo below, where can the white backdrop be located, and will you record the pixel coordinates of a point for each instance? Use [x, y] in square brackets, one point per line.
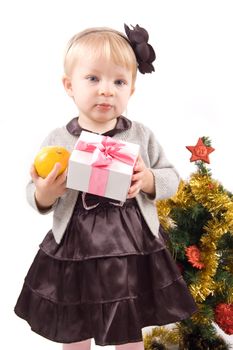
[189, 95]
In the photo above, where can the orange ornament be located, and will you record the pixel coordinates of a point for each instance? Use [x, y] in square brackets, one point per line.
[48, 157]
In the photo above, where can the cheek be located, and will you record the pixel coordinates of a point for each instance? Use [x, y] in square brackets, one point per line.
[83, 100]
[125, 98]
[78, 90]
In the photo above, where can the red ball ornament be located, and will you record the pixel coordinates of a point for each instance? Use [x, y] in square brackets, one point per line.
[224, 317]
[200, 151]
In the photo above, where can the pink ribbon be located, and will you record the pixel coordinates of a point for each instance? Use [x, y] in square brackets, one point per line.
[103, 154]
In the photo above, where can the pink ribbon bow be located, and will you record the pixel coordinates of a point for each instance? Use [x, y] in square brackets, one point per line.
[103, 154]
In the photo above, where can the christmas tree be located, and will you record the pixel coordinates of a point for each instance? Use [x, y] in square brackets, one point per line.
[199, 222]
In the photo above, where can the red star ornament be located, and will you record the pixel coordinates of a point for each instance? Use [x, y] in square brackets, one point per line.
[200, 151]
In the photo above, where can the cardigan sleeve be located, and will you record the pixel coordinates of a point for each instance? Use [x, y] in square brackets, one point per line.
[166, 177]
[30, 195]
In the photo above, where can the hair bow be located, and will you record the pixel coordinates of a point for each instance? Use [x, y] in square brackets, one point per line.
[138, 38]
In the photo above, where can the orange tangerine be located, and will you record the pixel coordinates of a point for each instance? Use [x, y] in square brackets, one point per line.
[48, 156]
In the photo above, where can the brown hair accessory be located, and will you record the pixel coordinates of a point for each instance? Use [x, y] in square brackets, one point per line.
[144, 52]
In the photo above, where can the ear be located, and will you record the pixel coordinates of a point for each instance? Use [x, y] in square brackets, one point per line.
[67, 85]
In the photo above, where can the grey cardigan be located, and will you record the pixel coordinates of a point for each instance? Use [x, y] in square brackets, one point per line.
[165, 176]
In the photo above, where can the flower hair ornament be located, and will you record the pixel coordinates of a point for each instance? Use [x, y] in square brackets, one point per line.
[138, 38]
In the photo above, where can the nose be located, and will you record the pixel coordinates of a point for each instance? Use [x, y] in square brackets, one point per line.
[106, 89]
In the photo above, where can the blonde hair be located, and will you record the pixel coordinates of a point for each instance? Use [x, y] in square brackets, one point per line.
[100, 42]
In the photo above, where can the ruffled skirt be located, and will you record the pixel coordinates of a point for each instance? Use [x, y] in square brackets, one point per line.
[107, 279]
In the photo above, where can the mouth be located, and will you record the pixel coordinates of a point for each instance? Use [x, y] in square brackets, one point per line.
[103, 106]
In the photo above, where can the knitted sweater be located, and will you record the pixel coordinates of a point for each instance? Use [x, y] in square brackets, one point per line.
[166, 178]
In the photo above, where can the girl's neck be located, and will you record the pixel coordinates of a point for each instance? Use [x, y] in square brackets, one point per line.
[98, 128]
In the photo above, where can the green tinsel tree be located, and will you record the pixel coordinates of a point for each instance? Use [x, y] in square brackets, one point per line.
[199, 221]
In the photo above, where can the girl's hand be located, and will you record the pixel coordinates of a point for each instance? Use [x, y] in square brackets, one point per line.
[142, 179]
[50, 188]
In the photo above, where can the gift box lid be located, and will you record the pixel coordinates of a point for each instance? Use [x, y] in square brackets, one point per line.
[86, 157]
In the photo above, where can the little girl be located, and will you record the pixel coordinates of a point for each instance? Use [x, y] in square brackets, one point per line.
[103, 271]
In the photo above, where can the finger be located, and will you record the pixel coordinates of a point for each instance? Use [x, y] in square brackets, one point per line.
[60, 191]
[62, 178]
[132, 190]
[133, 194]
[138, 166]
[136, 177]
[135, 187]
[63, 189]
[33, 173]
[54, 173]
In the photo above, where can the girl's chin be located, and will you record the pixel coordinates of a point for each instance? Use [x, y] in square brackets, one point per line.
[103, 116]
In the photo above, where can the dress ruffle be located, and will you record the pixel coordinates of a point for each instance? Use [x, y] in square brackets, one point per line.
[109, 278]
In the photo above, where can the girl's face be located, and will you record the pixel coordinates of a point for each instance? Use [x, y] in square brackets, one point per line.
[100, 89]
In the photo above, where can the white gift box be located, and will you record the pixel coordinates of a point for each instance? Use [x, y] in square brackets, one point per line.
[102, 165]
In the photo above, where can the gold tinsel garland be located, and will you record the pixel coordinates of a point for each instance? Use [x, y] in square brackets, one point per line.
[230, 296]
[163, 335]
[210, 195]
[204, 190]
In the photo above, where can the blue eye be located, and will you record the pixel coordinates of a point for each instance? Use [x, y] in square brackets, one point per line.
[120, 82]
[92, 78]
